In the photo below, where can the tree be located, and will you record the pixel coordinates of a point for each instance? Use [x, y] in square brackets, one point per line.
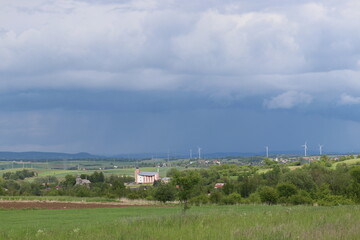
[165, 192]
[286, 189]
[324, 158]
[69, 181]
[228, 188]
[355, 174]
[301, 178]
[118, 188]
[186, 184]
[268, 195]
[216, 197]
[233, 198]
[269, 162]
[249, 184]
[172, 172]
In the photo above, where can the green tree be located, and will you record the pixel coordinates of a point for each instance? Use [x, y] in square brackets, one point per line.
[301, 178]
[172, 172]
[249, 184]
[233, 198]
[186, 184]
[216, 197]
[286, 189]
[70, 181]
[324, 158]
[118, 188]
[355, 174]
[165, 192]
[268, 195]
[199, 200]
[269, 162]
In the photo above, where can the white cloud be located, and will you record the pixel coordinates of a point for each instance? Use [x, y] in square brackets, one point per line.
[236, 47]
[288, 100]
[346, 99]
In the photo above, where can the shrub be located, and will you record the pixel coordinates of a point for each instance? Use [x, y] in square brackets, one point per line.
[233, 198]
[302, 197]
[253, 198]
[164, 192]
[301, 179]
[286, 189]
[133, 195]
[268, 195]
[82, 191]
[199, 200]
[355, 174]
[335, 200]
[216, 197]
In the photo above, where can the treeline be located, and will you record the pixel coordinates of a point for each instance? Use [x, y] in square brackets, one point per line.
[19, 175]
[313, 183]
[100, 186]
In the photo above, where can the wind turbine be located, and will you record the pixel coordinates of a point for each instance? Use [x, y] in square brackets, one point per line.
[305, 148]
[199, 151]
[267, 151]
[320, 149]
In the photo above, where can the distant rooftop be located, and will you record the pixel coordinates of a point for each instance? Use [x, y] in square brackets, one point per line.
[149, 174]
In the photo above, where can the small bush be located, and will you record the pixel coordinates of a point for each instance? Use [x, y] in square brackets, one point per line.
[133, 196]
[199, 200]
[268, 195]
[335, 200]
[286, 189]
[216, 197]
[300, 198]
[253, 198]
[233, 198]
[164, 192]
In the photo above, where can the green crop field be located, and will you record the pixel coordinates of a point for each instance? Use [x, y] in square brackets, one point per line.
[208, 222]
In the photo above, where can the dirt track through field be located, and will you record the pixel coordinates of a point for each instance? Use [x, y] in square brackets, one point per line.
[59, 205]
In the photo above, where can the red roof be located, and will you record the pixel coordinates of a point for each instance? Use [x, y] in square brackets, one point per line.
[217, 185]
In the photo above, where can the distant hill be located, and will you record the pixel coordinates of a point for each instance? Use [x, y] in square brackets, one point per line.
[84, 155]
[44, 155]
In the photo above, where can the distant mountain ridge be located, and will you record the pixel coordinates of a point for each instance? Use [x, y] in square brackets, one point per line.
[45, 155]
[83, 155]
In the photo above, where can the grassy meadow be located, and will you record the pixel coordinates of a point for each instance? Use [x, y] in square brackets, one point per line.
[207, 222]
[347, 162]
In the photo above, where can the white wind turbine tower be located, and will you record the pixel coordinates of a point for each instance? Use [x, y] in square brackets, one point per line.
[199, 151]
[305, 148]
[267, 151]
[320, 149]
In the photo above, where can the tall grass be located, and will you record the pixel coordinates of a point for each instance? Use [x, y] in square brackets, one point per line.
[211, 222]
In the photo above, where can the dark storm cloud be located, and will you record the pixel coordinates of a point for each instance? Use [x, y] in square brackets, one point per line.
[170, 71]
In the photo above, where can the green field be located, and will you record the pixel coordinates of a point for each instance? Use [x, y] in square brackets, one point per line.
[208, 222]
[347, 162]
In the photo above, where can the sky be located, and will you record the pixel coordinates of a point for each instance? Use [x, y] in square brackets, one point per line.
[135, 76]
